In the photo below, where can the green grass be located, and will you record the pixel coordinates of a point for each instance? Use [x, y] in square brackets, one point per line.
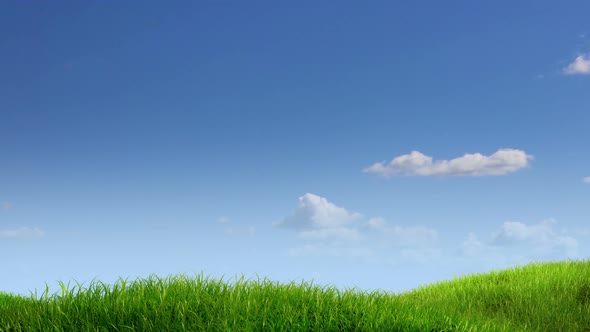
[536, 297]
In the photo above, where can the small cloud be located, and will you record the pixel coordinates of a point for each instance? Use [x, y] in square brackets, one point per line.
[6, 205]
[23, 232]
[502, 162]
[586, 179]
[315, 212]
[581, 65]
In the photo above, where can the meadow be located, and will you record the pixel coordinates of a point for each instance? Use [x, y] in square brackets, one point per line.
[552, 296]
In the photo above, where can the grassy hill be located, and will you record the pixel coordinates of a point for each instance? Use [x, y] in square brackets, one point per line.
[536, 297]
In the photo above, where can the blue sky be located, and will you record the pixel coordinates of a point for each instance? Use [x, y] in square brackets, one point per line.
[383, 145]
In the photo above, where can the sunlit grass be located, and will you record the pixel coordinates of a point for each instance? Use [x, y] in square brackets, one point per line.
[535, 297]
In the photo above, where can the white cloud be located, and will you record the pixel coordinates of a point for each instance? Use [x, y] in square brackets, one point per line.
[317, 212]
[581, 65]
[23, 232]
[586, 179]
[502, 162]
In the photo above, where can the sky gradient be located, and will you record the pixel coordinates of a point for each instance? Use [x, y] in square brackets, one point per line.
[382, 145]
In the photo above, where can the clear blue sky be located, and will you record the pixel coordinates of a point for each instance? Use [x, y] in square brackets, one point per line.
[383, 145]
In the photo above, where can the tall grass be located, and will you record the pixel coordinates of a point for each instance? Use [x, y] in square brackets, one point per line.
[536, 297]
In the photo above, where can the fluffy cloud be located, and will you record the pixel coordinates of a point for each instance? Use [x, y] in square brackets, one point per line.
[317, 212]
[23, 232]
[586, 179]
[502, 162]
[581, 65]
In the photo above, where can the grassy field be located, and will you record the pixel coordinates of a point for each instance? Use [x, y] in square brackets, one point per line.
[536, 297]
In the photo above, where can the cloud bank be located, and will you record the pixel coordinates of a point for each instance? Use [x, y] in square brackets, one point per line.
[329, 230]
[502, 162]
